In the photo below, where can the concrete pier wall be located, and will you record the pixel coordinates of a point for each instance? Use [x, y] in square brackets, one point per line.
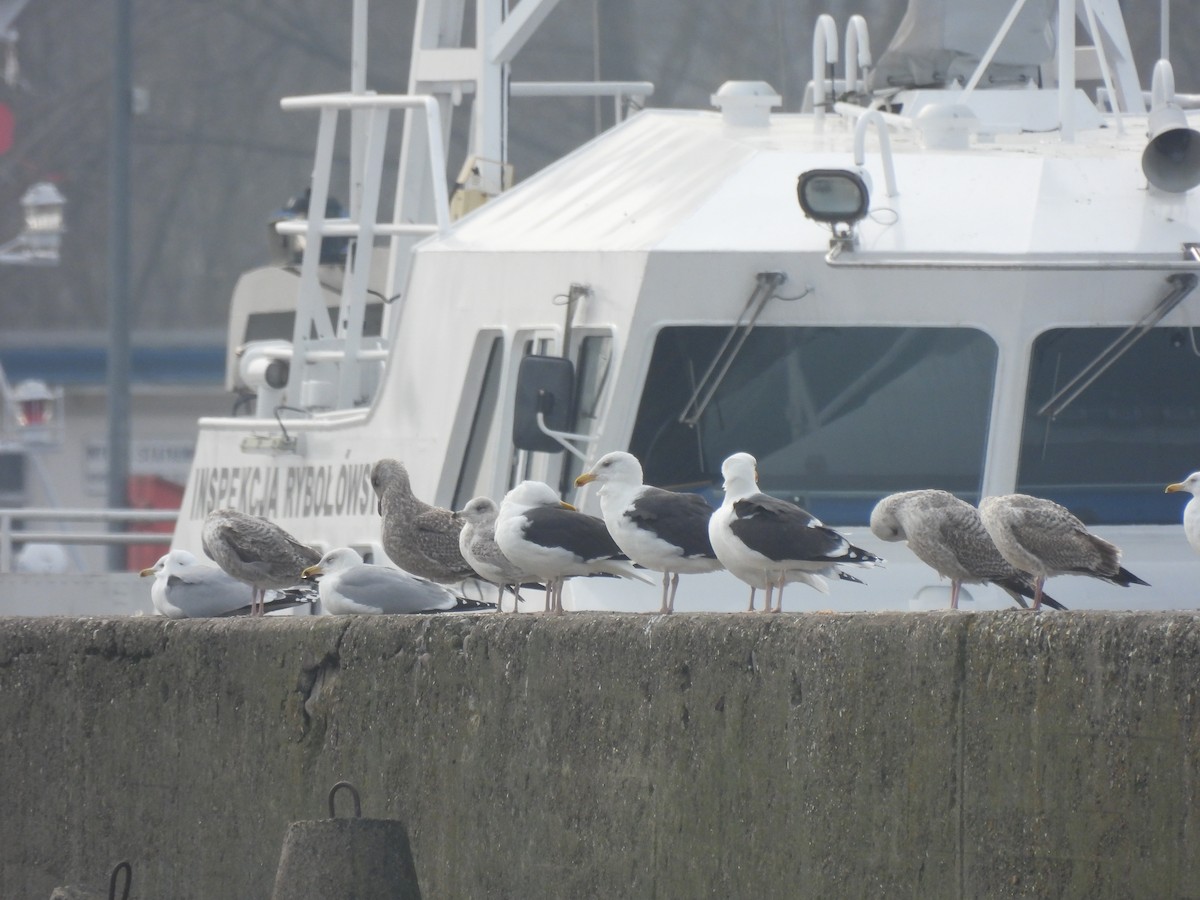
[602, 755]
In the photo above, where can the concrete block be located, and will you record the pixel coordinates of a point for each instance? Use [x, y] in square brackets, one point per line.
[997, 754]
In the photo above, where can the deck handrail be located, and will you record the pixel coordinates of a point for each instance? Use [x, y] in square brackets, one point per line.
[11, 515]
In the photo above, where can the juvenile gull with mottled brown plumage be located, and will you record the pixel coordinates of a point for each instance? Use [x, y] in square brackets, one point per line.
[419, 538]
[1044, 539]
[255, 550]
[946, 534]
[477, 542]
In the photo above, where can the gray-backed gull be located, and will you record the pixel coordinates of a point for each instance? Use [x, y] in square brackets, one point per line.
[185, 588]
[350, 586]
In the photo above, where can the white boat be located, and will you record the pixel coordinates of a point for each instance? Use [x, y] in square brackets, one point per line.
[990, 289]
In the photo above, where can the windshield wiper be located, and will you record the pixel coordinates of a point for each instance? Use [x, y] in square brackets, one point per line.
[1184, 284]
[764, 290]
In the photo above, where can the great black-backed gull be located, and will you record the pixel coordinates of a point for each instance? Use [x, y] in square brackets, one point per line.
[657, 529]
[350, 586]
[768, 542]
[1044, 539]
[185, 588]
[421, 539]
[1191, 512]
[946, 533]
[553, 541]
[255, 550]
[477, 541]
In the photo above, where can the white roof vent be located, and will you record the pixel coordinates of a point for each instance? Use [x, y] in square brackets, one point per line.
[746, 104]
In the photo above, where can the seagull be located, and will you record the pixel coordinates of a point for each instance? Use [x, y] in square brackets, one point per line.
[1044, 539]
[768, 542]
[947, 534]
[419, 538]
[185, 588]
[255, 550]
[657, 529]
[350, 586]
[1191, 512]
[477, 543]
[541, 534]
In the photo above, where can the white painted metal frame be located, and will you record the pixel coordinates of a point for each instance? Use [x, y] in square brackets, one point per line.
[311, 315]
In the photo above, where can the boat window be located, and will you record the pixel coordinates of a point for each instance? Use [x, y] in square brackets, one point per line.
[263, 326]
[1108, 455]
[468, 484]
[837, 417]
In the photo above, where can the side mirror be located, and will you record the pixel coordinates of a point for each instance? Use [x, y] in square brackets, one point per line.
[546, 385]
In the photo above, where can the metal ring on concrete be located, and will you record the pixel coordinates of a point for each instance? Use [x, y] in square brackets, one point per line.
[353, 793]
[123, 865]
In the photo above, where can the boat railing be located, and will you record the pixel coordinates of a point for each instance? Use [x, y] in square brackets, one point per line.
[313, 330]
[1107, 59]
[625, 94]
[9, 517]
[365, 225]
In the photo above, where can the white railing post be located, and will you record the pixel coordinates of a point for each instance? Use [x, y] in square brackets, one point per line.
[858, 52]
[825, 57]
[873, 117]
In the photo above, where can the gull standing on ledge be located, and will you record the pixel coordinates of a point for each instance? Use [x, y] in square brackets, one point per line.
[255, 550]
[658, 529]
[185, 588]
[541, 534]
[768, 542]
[350, 586]
[946, 534]
[477, 542]
[1191, 512]
[1044, 539]
[419, 538]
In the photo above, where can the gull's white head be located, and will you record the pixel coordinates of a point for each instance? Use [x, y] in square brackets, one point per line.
[170, 562]
[334, 561]
[617, 467]
[529, 494]
[741, 475]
